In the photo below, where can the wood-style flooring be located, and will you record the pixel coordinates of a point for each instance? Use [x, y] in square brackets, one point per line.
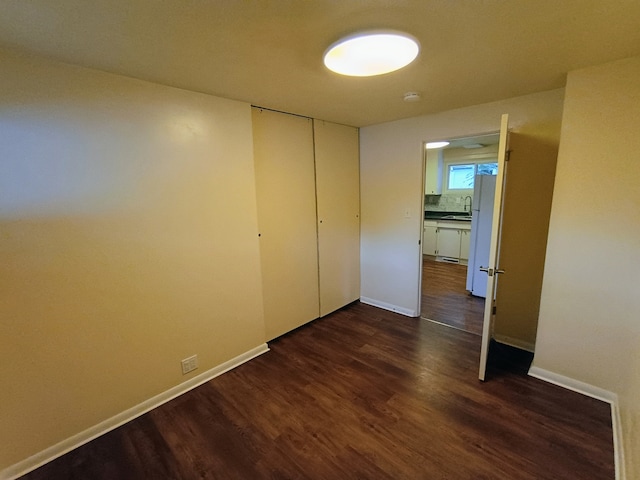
[360, 394]
[445, 298]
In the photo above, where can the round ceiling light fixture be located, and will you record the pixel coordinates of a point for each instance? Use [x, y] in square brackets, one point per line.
[434, 145]
[371, 53]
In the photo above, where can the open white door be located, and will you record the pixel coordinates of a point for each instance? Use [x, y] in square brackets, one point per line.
[492, 268]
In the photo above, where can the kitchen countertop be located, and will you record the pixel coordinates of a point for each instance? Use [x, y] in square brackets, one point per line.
[438, 215]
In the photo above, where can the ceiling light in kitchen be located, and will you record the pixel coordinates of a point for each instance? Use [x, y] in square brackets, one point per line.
[432, 145]
[372, 53]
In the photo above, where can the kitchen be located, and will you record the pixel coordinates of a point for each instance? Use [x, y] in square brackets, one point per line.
[459, 190]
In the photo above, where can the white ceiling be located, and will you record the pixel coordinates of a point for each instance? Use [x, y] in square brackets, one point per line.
[269, 53]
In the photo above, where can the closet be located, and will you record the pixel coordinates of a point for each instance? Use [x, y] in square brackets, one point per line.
[307, 187]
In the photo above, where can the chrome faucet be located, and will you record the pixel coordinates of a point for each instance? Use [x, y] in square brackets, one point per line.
[470, 203]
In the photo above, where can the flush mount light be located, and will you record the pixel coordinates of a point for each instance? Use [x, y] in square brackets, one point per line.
[432, 145]
[371, 53]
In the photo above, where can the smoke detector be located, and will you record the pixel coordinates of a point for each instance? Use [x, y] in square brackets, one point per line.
[411, 97]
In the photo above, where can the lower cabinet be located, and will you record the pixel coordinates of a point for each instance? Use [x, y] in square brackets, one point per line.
[465, 243]
[430, 239]
[449, 241]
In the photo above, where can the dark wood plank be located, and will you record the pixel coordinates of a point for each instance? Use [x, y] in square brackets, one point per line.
[362, 393]
[445, 298]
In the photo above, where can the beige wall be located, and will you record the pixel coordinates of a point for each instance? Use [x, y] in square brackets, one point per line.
[589, 327]
[391, 185]
[128, 242]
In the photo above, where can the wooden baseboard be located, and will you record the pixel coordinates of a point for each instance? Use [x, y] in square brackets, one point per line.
[514, 342]
[599, 394]
[388, 306]
[59, 449]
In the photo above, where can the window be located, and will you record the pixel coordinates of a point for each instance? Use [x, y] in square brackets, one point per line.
[487, 168]
[461, 176]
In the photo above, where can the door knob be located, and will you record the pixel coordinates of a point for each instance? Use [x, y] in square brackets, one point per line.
[490, 271]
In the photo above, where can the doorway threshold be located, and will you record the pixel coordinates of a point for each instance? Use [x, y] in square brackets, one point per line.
[450, 326]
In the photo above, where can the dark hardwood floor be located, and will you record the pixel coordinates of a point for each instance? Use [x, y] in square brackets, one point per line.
[445, 298]
[361, 394]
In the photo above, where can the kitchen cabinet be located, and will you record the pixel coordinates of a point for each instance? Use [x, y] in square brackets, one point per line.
[430, 238]
[433, 172]
[307, 190]
[448, 242]
[465, 242]
[447, 239]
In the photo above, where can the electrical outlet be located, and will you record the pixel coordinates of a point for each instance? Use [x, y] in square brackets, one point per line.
[189, 364]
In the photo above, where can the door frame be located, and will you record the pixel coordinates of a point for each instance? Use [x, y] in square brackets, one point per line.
[423, 193]
[502, 152]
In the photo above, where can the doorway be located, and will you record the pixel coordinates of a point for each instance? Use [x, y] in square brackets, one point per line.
[451, 244]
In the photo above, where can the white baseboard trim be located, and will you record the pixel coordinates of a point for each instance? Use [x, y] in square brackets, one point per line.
[59, 449]
[514, 342]
[389, 306]
[599, 394]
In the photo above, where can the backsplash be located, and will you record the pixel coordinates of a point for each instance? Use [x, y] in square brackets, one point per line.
[446, 203]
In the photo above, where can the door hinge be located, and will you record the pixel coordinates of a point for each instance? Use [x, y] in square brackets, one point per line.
[507, 155]
[493, 311]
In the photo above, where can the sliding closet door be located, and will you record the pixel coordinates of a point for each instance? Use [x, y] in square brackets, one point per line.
[338, 190]
[285, 188]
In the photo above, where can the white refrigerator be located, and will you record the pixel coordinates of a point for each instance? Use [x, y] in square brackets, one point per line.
[482, 216]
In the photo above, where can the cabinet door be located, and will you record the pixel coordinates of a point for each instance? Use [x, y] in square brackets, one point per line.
[448, 242]
[285, 190]
[429, 240]
[433, 172]
[338, 196]
[465, 241]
